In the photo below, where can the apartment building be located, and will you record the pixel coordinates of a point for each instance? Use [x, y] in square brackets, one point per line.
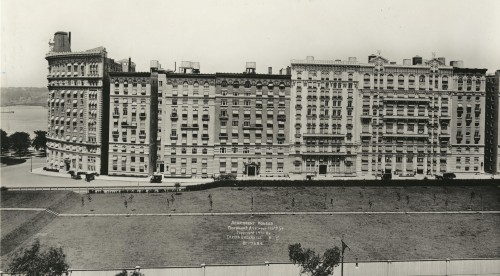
[491, 130]
[251, 128]
[129, 124]
[186, 101]
[78, 104]
[355, 118]
[468, 120]
[322, 121]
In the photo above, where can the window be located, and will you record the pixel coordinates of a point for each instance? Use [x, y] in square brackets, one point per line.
[173, 160]
[222, 150]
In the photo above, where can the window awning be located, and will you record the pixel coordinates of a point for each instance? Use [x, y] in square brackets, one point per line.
[53, 100]
[74, 120]
[62, 101]
[68, 119]
[75, 101]
[124, 157]
[115, 158]
[68, 110]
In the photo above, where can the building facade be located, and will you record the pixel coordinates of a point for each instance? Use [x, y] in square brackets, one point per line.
[129, 125]
[492, 131]
[328, 118]
[251, 128]
[355, 118]
[186, 123]
[78, 104]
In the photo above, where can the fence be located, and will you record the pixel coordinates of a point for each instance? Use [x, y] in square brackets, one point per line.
[470, 267]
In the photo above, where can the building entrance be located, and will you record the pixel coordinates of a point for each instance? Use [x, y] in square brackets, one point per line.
[251, 171]
[322, 169]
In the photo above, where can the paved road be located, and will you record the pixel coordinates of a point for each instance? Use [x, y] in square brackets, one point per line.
[20, 176]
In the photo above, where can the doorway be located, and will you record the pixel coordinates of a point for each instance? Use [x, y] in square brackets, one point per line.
[251, 171]
[322, 169]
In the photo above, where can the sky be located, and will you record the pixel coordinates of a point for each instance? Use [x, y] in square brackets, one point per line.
[224, 34]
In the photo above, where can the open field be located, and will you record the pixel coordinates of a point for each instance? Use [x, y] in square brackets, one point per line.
[12, 220]
[279, 199]
[160, 241]
[192, 240]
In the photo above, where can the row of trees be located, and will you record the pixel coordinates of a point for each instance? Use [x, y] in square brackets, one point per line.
[19, 142]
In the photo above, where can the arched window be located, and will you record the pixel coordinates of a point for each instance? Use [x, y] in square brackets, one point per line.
[366, 77]
[236, 84]
[270, 85]
[282, 85]
[205, 85]
[196, 84]
[259, 85]
[349, 77]
[248, 84]
[224, 84]
[185, 84]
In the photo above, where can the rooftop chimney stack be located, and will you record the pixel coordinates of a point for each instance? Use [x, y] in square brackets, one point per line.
[250, 67]
[270, 70]
[62, 42]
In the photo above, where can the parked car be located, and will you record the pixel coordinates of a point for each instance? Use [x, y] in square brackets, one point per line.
[449, 176]
[155, 178]
[387, 176]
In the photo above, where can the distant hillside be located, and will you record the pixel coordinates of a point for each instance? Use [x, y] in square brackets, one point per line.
[23, 96]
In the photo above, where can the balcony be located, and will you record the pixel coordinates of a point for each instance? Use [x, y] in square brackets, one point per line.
[223, 117]
[174, 116]
[281, 117]
[173, 136]
[407, 117]
[116, 115]
[190, 126]
[253, 126]
[205, 117]
[142, 115]
[204, 137]
[298, 106]
[324, 135]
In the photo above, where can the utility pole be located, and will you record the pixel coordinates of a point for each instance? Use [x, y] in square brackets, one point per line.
[344, 246]
[31, 162]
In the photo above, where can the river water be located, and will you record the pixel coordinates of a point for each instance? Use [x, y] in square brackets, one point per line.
[24, 118]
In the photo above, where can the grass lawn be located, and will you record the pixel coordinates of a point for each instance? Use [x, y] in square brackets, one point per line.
[304, 198]
[11, 220]
[110, 242]
[31, 199]
[114, 242]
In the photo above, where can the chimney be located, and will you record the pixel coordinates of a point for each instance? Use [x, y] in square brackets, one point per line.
[269, 70]
[250, 67]
[288, 70]
[70, 39]
[129, 64]
[62, 42]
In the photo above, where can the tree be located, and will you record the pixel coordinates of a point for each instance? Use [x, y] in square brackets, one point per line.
[4, 141]
[34, 261]
[40, 141]
[20, 142]
[311, 262]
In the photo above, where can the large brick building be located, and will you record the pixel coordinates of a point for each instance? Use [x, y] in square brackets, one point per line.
[78, 104]
[328, 118]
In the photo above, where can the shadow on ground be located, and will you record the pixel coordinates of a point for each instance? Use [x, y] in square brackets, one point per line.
[10, 161]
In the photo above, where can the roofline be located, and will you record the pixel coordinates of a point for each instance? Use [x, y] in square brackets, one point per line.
[129, 74]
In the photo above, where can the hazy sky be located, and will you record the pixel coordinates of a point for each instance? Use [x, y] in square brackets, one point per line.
[223, 34]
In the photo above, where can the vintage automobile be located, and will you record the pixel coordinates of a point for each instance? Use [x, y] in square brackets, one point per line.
[155, 178]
